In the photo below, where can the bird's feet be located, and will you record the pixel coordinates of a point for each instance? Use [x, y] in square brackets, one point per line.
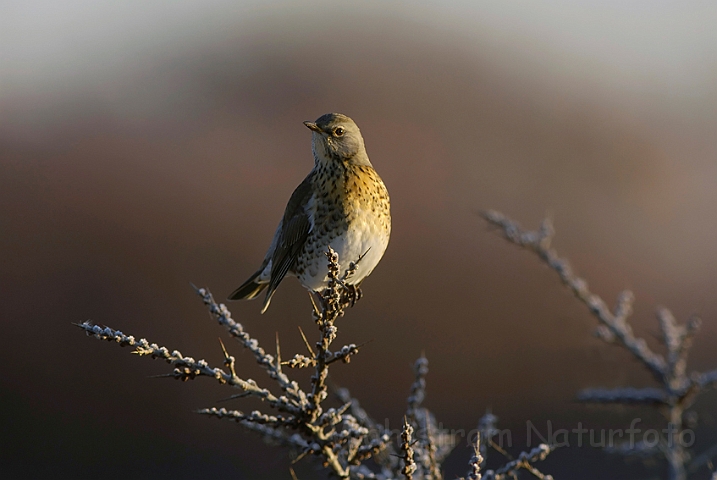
[348, 296]
[353, 294]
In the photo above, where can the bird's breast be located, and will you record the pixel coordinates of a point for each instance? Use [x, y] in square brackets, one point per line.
[349, 211]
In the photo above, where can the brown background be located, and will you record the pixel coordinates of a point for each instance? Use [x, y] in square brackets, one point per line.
[149, 145]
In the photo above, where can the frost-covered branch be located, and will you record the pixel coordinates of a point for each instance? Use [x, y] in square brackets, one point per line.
[639, 449]
[525, 462]
[487, 429]
[432, 445]
[625, 396]
[614, 321]
[409, 464]
[475, 462]
[300, 421]
[221, 314]
[677, 390]
[186, 368]
[344, 438]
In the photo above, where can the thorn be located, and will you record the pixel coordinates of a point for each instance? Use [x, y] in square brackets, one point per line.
[306, 342]
[363, 255]
[500, 450]
[317, 312]
[162, 375]
[299, 457]
[238, 395]
[226, 354]
[196, 289]
[228, 359]
[344, 407]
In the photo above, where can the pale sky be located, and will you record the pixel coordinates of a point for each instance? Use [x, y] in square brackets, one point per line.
[626, 45]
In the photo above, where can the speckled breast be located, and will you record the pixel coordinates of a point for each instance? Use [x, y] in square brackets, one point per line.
[349, 211]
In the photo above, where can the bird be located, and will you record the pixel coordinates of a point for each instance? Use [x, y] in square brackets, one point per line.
[342, 203]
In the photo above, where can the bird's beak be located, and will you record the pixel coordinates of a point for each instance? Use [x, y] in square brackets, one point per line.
[313, 126]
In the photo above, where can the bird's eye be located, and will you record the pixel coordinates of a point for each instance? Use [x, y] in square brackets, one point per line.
[339, 131]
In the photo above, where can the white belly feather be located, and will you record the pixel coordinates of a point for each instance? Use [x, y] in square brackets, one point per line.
[360, 239]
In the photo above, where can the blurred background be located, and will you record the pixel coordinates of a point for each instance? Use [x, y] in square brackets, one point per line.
[145, 145]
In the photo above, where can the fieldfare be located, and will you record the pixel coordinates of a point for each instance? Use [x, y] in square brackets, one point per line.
[342, 204]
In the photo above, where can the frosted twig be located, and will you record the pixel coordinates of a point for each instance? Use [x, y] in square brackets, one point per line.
[431, 446]
[487, 429]
[636, 449]
[221, 314]
[524, 461]
[253, 417]
[418, 388]
[475, 462]
[186, 368]
[678, 340]
[302, 361]
[409, 465]
[626, 395]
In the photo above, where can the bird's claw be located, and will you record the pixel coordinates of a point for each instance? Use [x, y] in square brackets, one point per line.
[353, 294]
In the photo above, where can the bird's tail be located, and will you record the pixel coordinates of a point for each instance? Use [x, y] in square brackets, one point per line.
[249, 289]
[267, 299]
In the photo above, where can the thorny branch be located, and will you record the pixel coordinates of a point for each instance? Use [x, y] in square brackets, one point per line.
[346, 440]
[301, 421]
[524, 461]
[487, 429]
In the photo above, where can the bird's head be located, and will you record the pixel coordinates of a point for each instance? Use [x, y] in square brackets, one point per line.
[337, 138]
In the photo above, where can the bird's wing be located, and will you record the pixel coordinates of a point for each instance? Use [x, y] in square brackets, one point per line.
[292, 236]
